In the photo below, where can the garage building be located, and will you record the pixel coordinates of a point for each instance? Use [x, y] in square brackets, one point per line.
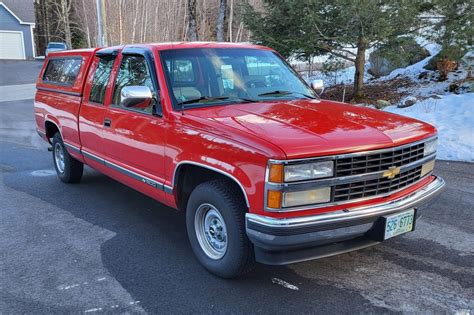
[17, 22]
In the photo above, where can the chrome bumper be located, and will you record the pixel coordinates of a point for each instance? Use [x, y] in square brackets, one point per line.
[283, 241]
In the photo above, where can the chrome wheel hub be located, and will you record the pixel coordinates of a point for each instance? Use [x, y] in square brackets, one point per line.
[59, 157]
[211, 231]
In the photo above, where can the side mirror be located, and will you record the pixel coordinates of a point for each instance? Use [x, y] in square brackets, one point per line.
[133, 95]
[318, 86]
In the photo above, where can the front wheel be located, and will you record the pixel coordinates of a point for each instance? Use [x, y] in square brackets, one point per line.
[68, 169]
[216, 229]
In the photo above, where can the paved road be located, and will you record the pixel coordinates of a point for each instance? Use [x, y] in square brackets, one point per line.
[14, 72]
[99, 246]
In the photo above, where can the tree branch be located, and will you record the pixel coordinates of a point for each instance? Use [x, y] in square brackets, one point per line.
[333, 52]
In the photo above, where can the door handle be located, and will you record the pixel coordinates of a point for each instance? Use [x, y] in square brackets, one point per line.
[107, 122]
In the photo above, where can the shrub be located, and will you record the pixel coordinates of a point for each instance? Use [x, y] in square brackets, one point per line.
[453, 53]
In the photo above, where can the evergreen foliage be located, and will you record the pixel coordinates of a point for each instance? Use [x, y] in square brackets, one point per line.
[347, 28]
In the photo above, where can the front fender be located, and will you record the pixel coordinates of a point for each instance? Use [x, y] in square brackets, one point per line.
[239, 162]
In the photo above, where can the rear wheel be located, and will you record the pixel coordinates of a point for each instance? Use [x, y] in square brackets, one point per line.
[215, 219]
[68, 169]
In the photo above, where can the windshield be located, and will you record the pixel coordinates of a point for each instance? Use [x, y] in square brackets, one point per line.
[206, 77]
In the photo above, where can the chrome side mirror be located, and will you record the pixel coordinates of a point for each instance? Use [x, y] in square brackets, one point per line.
[133, 95]
[318, 86]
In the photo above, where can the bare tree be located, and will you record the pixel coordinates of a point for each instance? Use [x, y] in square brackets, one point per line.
[62, 11]
[86, 25]
[135, 21]
[134, 28]
[220, 21]
[42, 31]
[120, 21]
[231, 19]
[192, 25]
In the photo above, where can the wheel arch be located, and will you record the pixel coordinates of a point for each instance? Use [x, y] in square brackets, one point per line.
[51, 128]
[183, 164]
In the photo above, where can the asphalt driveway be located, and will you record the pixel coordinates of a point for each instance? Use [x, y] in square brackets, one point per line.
[13, 72]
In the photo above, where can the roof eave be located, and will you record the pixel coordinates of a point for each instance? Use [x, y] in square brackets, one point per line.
[15, 16]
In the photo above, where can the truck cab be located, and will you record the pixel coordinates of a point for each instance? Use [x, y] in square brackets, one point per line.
[265, 170]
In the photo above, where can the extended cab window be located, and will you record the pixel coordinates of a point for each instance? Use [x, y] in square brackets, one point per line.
[62, 71]
[100, 80]
[134, 72]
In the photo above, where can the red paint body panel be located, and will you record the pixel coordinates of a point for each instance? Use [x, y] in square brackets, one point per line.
[62, 109]
[309, 128]
[237, 140]
[91, 119]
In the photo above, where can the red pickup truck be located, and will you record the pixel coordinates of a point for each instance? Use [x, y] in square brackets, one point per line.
[266, 170]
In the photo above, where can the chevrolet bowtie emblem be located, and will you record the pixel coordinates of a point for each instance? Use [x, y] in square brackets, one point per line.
[391, 172]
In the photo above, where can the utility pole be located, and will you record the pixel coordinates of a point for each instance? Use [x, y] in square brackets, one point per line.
[100, 35]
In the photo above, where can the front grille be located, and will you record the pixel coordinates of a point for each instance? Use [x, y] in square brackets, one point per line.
[370, 188]
[364, 175]
[375, 162]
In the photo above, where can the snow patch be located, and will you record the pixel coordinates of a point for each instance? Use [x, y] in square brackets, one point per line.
[453, 116]
[285, 284]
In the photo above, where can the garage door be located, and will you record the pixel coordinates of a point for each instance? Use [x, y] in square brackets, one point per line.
[11, 45]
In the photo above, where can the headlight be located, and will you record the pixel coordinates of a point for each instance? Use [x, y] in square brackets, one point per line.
[306, 197]
[308, 171]
[280, 173]
[430, 147]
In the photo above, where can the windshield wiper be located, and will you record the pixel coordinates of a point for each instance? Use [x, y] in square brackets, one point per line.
[277, 92]
[203, 98]
[217, 98]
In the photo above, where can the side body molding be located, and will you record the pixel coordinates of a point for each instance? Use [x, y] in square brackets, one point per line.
[176, 170]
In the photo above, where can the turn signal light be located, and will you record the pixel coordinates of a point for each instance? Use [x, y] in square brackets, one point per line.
[274, 199]
[276, 173]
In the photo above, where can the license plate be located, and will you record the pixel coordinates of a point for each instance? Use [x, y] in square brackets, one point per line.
[399, 223]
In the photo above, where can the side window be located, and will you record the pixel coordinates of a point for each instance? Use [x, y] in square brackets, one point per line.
[62, 71]
[53, 70]
[100, 80]
[133, 72]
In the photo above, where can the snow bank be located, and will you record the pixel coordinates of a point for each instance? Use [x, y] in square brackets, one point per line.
[453, 116]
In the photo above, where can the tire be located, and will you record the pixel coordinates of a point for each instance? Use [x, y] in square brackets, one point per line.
[68, 169]
[213, 202]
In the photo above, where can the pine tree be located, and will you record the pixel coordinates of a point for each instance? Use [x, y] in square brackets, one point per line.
[453, 22]
[342, 28]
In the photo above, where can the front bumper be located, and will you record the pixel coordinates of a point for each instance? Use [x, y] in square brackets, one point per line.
[285, 241]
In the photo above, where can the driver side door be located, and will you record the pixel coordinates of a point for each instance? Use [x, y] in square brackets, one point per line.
[134, 137]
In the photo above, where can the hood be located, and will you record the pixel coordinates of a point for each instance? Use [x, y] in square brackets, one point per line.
[307, 128]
